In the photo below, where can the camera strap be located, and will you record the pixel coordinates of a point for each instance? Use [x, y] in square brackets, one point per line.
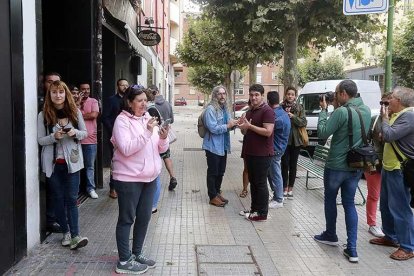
[350, 128]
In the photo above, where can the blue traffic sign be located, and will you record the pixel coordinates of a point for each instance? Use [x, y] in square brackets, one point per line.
[352, 7]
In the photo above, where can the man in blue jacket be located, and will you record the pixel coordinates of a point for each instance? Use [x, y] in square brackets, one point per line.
[280, 139]
[216, 143]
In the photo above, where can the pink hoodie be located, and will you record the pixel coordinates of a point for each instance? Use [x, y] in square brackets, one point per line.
[137, 150]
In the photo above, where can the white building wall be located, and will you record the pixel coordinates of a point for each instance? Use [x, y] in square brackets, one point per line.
[30, 110]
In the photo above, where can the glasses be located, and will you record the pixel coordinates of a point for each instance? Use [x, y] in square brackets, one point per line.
[384, 103]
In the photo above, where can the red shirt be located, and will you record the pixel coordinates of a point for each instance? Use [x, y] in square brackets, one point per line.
[90, 105]
[253, 143]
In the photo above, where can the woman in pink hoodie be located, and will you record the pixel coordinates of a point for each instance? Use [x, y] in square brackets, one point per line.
[138, 142]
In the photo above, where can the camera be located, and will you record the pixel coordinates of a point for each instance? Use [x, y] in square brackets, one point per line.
[329, 97]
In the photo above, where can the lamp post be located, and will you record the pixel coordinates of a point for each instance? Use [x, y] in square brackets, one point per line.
[388, 56]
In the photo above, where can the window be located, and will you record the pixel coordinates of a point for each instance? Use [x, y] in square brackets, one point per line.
[192, 91]
[259, 77]
[379, 78]
[274, 76]
[239, 91]
[176, 91]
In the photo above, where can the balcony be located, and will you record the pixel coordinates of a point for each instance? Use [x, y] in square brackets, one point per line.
[174, 13]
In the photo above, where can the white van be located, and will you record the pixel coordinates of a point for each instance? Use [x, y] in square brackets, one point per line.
[369, 91]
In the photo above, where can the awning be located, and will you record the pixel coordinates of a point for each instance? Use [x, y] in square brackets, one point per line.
[124, 31]
[141, 50]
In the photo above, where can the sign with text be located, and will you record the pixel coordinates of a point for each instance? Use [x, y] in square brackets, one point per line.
[353, 7]
[149, 37]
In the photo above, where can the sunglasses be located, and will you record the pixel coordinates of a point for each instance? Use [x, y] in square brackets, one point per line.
[384, 103]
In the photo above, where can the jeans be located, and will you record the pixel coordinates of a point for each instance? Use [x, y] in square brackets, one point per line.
[89, 155]
[396, 214]
[157, 192]
[374, 189]
[135, 202]
[275, 178]
[64, 188]
[216, 166]
[258, 168]
[347, 181]
[289, 165]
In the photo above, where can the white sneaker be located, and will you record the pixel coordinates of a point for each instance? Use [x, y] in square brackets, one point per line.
[93, 194]
[285, 194]
[376, 231]
[274, 204]
[290, 195]
[67, 238]
[244, 213]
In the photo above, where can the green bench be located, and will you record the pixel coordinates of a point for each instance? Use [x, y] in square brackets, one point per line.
[315, 167]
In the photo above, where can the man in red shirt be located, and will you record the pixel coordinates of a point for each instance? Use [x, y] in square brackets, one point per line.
[90, 112]
[257, 128]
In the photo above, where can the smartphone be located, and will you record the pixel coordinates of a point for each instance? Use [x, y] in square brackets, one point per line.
[166, 123]
[66, 129]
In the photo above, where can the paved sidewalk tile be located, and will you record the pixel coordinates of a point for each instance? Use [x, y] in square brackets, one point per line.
[185, 221]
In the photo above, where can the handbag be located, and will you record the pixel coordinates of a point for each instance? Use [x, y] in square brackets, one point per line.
[362, 157]
[74, 153]
[407, 167]
[172, 137]
[304, 136]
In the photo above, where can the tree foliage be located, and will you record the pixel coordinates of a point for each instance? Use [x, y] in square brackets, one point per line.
[313, 69]
[300, 23]
[403, 57]
[204, 77]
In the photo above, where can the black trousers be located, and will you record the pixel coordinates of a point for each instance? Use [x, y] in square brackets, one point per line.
[216, 166]
[289, 165]
[258, 167]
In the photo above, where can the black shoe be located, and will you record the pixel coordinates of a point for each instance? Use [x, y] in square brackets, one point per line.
[173, 184]
[54, 228]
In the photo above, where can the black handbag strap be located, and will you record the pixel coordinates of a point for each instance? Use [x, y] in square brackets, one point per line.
[350, 129]
[399, 157]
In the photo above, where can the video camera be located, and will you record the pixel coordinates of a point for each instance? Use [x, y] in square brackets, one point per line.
[329, 97]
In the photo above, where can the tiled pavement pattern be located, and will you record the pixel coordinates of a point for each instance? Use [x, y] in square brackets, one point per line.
[281, 246]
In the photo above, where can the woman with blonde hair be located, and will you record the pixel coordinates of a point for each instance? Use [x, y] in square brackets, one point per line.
[60, 127]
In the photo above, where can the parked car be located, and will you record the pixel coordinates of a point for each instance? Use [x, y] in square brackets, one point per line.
[200, 102]
[239, 104]
[180, 102]
[240, 112]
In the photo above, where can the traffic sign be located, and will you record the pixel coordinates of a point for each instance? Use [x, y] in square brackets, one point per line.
[352, 7]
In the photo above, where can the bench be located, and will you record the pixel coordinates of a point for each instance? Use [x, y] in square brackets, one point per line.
[315, 167]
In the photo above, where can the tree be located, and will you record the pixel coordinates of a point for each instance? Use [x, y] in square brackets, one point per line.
[303, 23]
[204, 77]
[313, 70]
[403, 57]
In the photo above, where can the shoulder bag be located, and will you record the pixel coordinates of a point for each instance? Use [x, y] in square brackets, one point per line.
[407, 167]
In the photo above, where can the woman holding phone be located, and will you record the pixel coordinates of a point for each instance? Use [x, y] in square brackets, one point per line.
[138, 142]
[60, 127]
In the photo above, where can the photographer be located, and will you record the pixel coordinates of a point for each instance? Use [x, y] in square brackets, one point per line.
[337, 174]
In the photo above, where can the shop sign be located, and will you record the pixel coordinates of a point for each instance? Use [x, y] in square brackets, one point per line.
[149, 37]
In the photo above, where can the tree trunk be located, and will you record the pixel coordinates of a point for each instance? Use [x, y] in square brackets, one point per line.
[253, 72]
[290, 57]
[230, 92]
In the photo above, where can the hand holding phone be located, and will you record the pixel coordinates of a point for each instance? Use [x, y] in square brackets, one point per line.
[66, 129]
[166, 123]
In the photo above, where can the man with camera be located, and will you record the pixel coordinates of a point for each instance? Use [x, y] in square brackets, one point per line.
[396, 214]
[337, 174]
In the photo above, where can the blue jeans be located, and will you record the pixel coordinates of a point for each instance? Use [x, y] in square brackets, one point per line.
[135, 202]
[275, 177]
[397, 216]
[64, 188]
[157, 192]
[347, 181]
[89, 155]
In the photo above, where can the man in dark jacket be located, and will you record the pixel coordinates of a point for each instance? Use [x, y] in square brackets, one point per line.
[110, 112]
[166, 112]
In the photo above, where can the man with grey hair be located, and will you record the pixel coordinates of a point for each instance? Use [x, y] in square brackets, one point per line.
[216, 143]
[396, 214]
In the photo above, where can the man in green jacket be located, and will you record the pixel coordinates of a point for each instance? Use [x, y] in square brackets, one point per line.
[337, 174]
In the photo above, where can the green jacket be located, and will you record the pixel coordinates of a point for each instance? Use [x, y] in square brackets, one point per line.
[298, 120]
[337, 125]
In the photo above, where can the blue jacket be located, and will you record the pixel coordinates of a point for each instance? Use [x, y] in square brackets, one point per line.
[281, 130]
[217, 139]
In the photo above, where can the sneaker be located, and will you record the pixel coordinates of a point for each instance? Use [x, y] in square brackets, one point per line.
[173, 184]
[351, 254]
[66, 239]
[131, 267]
[376, 231]
[274, 204]
[144, 260]
[78, 242]
[285, 194]
[325, 239]
[154, 211]
[290, 195]
[93, 194]
[256, 217]
[244, 213]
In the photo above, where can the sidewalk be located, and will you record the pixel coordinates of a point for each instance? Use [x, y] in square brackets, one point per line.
[190, 237]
